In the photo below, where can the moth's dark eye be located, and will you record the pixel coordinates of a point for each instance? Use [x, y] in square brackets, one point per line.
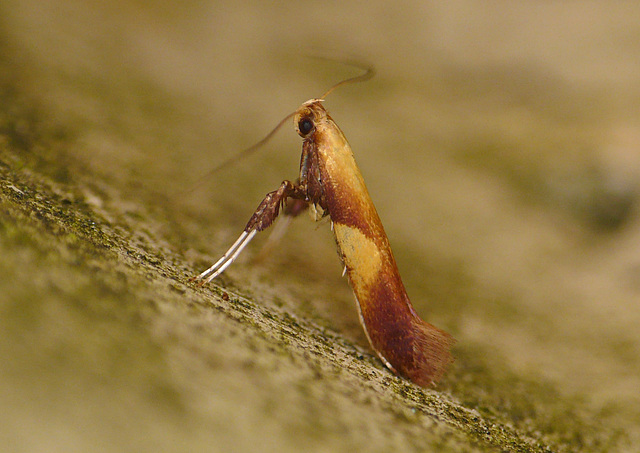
[305, 125]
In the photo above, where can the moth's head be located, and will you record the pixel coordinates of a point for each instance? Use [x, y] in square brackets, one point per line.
[308, 117]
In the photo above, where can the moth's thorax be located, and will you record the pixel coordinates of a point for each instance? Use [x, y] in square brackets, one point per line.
[330, 146]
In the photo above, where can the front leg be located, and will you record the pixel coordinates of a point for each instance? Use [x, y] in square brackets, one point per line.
[261, 219]
[269, 209]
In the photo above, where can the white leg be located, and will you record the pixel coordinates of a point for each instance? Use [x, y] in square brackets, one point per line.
[228, 258]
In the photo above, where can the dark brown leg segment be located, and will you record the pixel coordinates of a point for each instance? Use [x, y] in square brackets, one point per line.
[269, 209]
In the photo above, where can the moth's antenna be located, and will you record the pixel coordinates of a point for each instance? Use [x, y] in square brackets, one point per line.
[369, 72]
[238, 156]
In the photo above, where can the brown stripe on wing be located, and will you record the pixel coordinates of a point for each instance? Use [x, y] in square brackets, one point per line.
[345, 193]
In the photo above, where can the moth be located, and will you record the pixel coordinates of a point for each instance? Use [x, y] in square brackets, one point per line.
[330, 183]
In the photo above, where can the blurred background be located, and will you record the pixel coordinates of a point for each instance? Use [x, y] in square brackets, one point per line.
[500, 142]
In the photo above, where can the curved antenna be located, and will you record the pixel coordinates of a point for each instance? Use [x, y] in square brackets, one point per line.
[238, 156]
[369, 72]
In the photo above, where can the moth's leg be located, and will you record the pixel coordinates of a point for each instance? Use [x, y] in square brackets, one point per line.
[261, 219]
